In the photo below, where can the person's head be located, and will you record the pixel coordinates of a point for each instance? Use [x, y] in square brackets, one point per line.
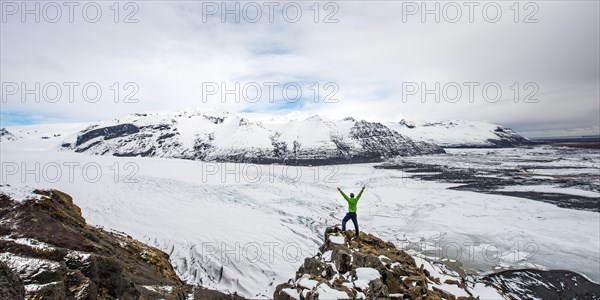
[351, 195]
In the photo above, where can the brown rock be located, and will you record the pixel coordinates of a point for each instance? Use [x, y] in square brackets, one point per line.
[342, 260]
[416, 292]
[279, 294]
[315, 268]
[377, 290]
[392, 282]
[11, 286]
[80, 287]
[367, 261]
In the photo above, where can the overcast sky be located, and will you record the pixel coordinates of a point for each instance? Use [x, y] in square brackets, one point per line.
[373, 57]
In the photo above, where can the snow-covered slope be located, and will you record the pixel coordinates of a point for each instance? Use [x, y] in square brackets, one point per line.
[231, 138]
[460, 133]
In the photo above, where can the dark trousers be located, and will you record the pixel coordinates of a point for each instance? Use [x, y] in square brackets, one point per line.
[350, 216]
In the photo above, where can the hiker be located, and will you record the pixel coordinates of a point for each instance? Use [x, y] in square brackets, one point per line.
[351, 215]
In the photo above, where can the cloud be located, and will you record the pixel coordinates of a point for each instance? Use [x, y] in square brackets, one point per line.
[365, 57]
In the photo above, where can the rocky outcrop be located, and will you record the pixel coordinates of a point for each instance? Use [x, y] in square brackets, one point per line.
[506, 137]
[551, 284]
[378, 140]
[366, 267]
[127, 140]
[109, 132]
[47, 251]
[11, 286]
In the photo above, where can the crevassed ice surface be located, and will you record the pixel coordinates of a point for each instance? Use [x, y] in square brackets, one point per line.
[246, 228]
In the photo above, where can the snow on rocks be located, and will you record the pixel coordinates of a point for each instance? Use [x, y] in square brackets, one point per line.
[370, 268]
[49, 252]
[337, 240]
[19, 194]
[364, 276]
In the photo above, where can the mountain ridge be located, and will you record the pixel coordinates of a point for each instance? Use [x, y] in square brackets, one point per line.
[231, 138]
[315, 140]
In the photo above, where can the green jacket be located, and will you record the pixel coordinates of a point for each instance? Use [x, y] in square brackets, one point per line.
[352, 201]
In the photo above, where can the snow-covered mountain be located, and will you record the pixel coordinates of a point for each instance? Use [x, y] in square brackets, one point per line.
[314, 140]
[231, 138]
[460, 133]
[226, 137]
[6, 135]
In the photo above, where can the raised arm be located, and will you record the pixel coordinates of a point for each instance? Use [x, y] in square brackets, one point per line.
[360, 193]
[344, 195]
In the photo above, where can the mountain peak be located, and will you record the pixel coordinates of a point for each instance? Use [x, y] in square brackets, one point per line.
[368, 267]
[315, 117]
